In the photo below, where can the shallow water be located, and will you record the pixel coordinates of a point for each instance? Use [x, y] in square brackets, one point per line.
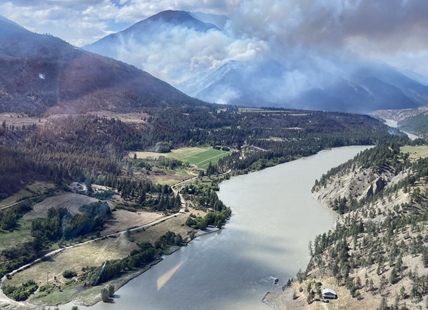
[274, 218]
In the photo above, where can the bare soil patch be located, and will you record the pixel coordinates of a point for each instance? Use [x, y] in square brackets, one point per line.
[135, 118]
[69, 201]
[170, 177]
[122, 220]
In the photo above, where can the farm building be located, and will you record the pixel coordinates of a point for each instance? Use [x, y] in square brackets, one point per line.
[329, 293]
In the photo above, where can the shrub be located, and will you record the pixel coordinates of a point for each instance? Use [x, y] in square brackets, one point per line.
[68, 274]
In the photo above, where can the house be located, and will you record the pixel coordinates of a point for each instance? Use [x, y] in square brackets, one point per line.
[329, 293]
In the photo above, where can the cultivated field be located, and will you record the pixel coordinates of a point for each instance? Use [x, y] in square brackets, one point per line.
[199, 156]
[123, 219]
[415, 151]
[71, 202]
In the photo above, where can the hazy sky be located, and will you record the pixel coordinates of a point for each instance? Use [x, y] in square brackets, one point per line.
[394, 31]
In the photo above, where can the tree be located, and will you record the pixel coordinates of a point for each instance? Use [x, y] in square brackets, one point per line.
[104, 295]
[311, 252]
[393, 276]
[383, 304]
[111, 290]
[75, 308]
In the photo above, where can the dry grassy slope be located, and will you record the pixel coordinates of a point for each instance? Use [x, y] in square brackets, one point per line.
[360, 183]
[400, 114]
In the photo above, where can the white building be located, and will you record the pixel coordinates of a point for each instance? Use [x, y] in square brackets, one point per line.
[329, 293]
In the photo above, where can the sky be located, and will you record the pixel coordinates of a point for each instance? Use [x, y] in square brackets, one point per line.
[394, 31]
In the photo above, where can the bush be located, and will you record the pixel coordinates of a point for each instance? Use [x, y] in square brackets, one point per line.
[22, 292]
[68, 274]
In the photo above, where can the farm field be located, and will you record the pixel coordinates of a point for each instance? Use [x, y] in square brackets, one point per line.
[199, 156]
[203, 159]
[415, 151]
[123, 219]
[71, 202]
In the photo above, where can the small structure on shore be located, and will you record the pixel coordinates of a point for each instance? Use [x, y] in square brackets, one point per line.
[328, 293]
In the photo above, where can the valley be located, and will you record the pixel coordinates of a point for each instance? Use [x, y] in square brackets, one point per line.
[127, 180]
[107, 169]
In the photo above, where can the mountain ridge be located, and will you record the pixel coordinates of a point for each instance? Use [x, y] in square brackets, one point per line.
[42, 73]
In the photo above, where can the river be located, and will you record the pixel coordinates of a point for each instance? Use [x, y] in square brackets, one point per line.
[394, 124]
[274, 218]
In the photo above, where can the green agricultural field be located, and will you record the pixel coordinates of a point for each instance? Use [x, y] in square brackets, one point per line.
[203, 159]
[200, 156]
[415, 151]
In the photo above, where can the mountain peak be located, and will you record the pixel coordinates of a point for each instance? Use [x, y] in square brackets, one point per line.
[176, 18]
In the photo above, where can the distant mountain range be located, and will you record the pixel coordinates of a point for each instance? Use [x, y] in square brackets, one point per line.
[143, 31]
[264, 82]
[41, 73]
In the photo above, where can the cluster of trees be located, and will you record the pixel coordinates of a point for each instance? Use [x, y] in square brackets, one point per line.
[145, 254]
[160, 162]
[12, 258]
[22, 292]
[9, 217]
[204, 197]
[170, 238]
[107, 293]
[215, 218]
[60, 224]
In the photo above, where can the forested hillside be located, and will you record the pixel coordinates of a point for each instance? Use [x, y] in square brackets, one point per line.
[87, 146]
[377, 254]
[417, 124]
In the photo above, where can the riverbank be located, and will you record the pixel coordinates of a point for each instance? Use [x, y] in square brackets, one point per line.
[92, 296]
